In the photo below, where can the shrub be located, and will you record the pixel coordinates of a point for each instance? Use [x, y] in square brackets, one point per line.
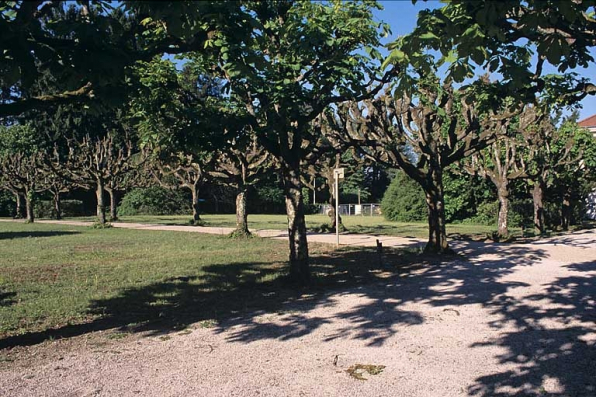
[404, 200]
[69, 208]
[7, 203]
[154, 200]
[487, 213]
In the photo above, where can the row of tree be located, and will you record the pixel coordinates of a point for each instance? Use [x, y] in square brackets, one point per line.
[289, 85]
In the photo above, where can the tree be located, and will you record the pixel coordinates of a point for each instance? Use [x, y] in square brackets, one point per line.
[20, 149]
[505, 160]
[21, 173]
[297, 59]
[93, 163]
[503, 37]
[553, 154]
[240, 164]
[53, 181]
[187, 171]
[89, 46]
[423, 134]
[324, 166]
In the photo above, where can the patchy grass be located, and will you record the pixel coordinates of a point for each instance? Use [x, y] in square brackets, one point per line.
[51, 275]
[357, 371]
[58, 281]
[375, 225]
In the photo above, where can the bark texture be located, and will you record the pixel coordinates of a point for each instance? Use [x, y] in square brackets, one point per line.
[57, 205]
[113, 204]
[566, 211]
[20, 207]
[101, 206]
[538, 198]
[437, 233]
[241, 214]
[196, 215]
[29, 208]
[503, 195]
[299, 268]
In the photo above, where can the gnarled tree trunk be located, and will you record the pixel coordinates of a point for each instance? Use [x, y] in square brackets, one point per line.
[101, 206]
[437, 233]
[29, 207]
[241, 214]
[20, 207]
[503, 195]
[113, 204]
[57, 205]
[299, 267]
[196, 215]
[566, 211]
[538, 198]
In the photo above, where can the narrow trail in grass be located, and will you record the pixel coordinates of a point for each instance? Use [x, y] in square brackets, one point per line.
[361, 240]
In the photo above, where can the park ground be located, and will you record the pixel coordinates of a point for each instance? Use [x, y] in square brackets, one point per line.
[117, 311]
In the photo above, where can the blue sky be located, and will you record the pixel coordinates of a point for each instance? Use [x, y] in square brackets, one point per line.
[401, 15]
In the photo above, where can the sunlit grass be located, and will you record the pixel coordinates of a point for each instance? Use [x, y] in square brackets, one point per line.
[355, 224]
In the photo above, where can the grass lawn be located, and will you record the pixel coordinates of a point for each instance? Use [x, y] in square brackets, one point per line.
[355, 224]
[58, 280]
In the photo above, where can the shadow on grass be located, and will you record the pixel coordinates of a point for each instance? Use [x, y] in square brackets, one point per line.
[238, 295]
[6, 298]
[13, 235]
[549, 337]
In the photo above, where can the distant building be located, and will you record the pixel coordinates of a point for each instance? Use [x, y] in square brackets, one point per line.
[589, 124]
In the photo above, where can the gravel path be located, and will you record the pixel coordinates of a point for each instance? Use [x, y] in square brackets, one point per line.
[345, 239]
[507, 320]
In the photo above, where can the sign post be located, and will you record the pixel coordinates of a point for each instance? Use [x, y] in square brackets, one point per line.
[338, 174]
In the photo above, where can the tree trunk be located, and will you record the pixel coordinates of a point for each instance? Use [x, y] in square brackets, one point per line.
[57, 205]
[331, 213]
[29, 207]
[566, 211]
[503, 195]
[538, 196]
[241, 214]
[437, 234]
[101, 206]
[196, 216]
[113, 205]
[20, 207]
[299, 267]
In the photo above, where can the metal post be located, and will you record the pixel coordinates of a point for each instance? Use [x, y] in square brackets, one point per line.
[314, 191]
[337, 208]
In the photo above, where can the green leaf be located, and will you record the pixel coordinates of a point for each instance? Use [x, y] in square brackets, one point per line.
[428, 36]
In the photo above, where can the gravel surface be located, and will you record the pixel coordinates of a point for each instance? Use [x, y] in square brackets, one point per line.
[503, 320]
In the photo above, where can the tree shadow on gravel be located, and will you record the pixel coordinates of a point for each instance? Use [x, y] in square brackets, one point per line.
[553, 345]
[250, 301]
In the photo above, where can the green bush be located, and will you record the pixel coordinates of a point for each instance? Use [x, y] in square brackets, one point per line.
[45, 208]
[154, 201]
[487, 213]
[404, 200]
[7, 203]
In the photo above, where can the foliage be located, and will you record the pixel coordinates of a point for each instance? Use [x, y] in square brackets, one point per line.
[269, 199]
[506, 37]
[404, 200]
[88, 47]
[69, 208]
[7, 203]
[154, 200]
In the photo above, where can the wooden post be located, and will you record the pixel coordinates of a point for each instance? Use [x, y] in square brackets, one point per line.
[380, 252]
